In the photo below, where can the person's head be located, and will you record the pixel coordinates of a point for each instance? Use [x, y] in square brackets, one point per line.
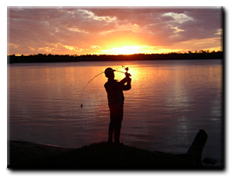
[109, 72]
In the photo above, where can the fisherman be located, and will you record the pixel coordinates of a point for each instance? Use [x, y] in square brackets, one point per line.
[115, 97]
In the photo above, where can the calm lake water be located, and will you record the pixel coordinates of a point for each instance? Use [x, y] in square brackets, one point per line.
[168, 103]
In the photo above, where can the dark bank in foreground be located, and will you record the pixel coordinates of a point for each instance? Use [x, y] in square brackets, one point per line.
[25, 155]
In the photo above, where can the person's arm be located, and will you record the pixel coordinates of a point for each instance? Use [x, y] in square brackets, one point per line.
[128, 85]
[123, 81]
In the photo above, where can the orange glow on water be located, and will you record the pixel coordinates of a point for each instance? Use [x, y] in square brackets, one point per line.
[159, 95]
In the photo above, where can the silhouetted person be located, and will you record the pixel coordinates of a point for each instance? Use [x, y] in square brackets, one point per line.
[115, 97]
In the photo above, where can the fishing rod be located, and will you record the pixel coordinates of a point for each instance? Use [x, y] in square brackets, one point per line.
[103, 72]
[126, 73]
[92, 79]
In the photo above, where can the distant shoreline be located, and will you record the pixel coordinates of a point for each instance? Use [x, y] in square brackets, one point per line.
[44, 58]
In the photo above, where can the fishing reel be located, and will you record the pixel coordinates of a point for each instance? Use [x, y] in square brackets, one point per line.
[126, 69]
[126, 73]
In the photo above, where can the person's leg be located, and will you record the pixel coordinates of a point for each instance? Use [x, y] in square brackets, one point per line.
[111, 124]
[117, 134]
[110, 133]
[119, 118]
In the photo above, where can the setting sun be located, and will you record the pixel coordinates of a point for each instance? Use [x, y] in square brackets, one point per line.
[126, 50]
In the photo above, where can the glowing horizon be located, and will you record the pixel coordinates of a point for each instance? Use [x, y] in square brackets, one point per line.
[125, 31]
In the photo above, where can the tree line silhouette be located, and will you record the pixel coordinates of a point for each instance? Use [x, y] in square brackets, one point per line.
[43, 58]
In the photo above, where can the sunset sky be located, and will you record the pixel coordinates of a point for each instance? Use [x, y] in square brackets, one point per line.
[113, 30]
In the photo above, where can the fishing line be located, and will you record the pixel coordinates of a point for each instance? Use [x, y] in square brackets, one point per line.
[102, 73]
[92, 79]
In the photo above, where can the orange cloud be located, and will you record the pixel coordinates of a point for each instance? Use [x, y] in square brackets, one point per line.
[119, 30]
